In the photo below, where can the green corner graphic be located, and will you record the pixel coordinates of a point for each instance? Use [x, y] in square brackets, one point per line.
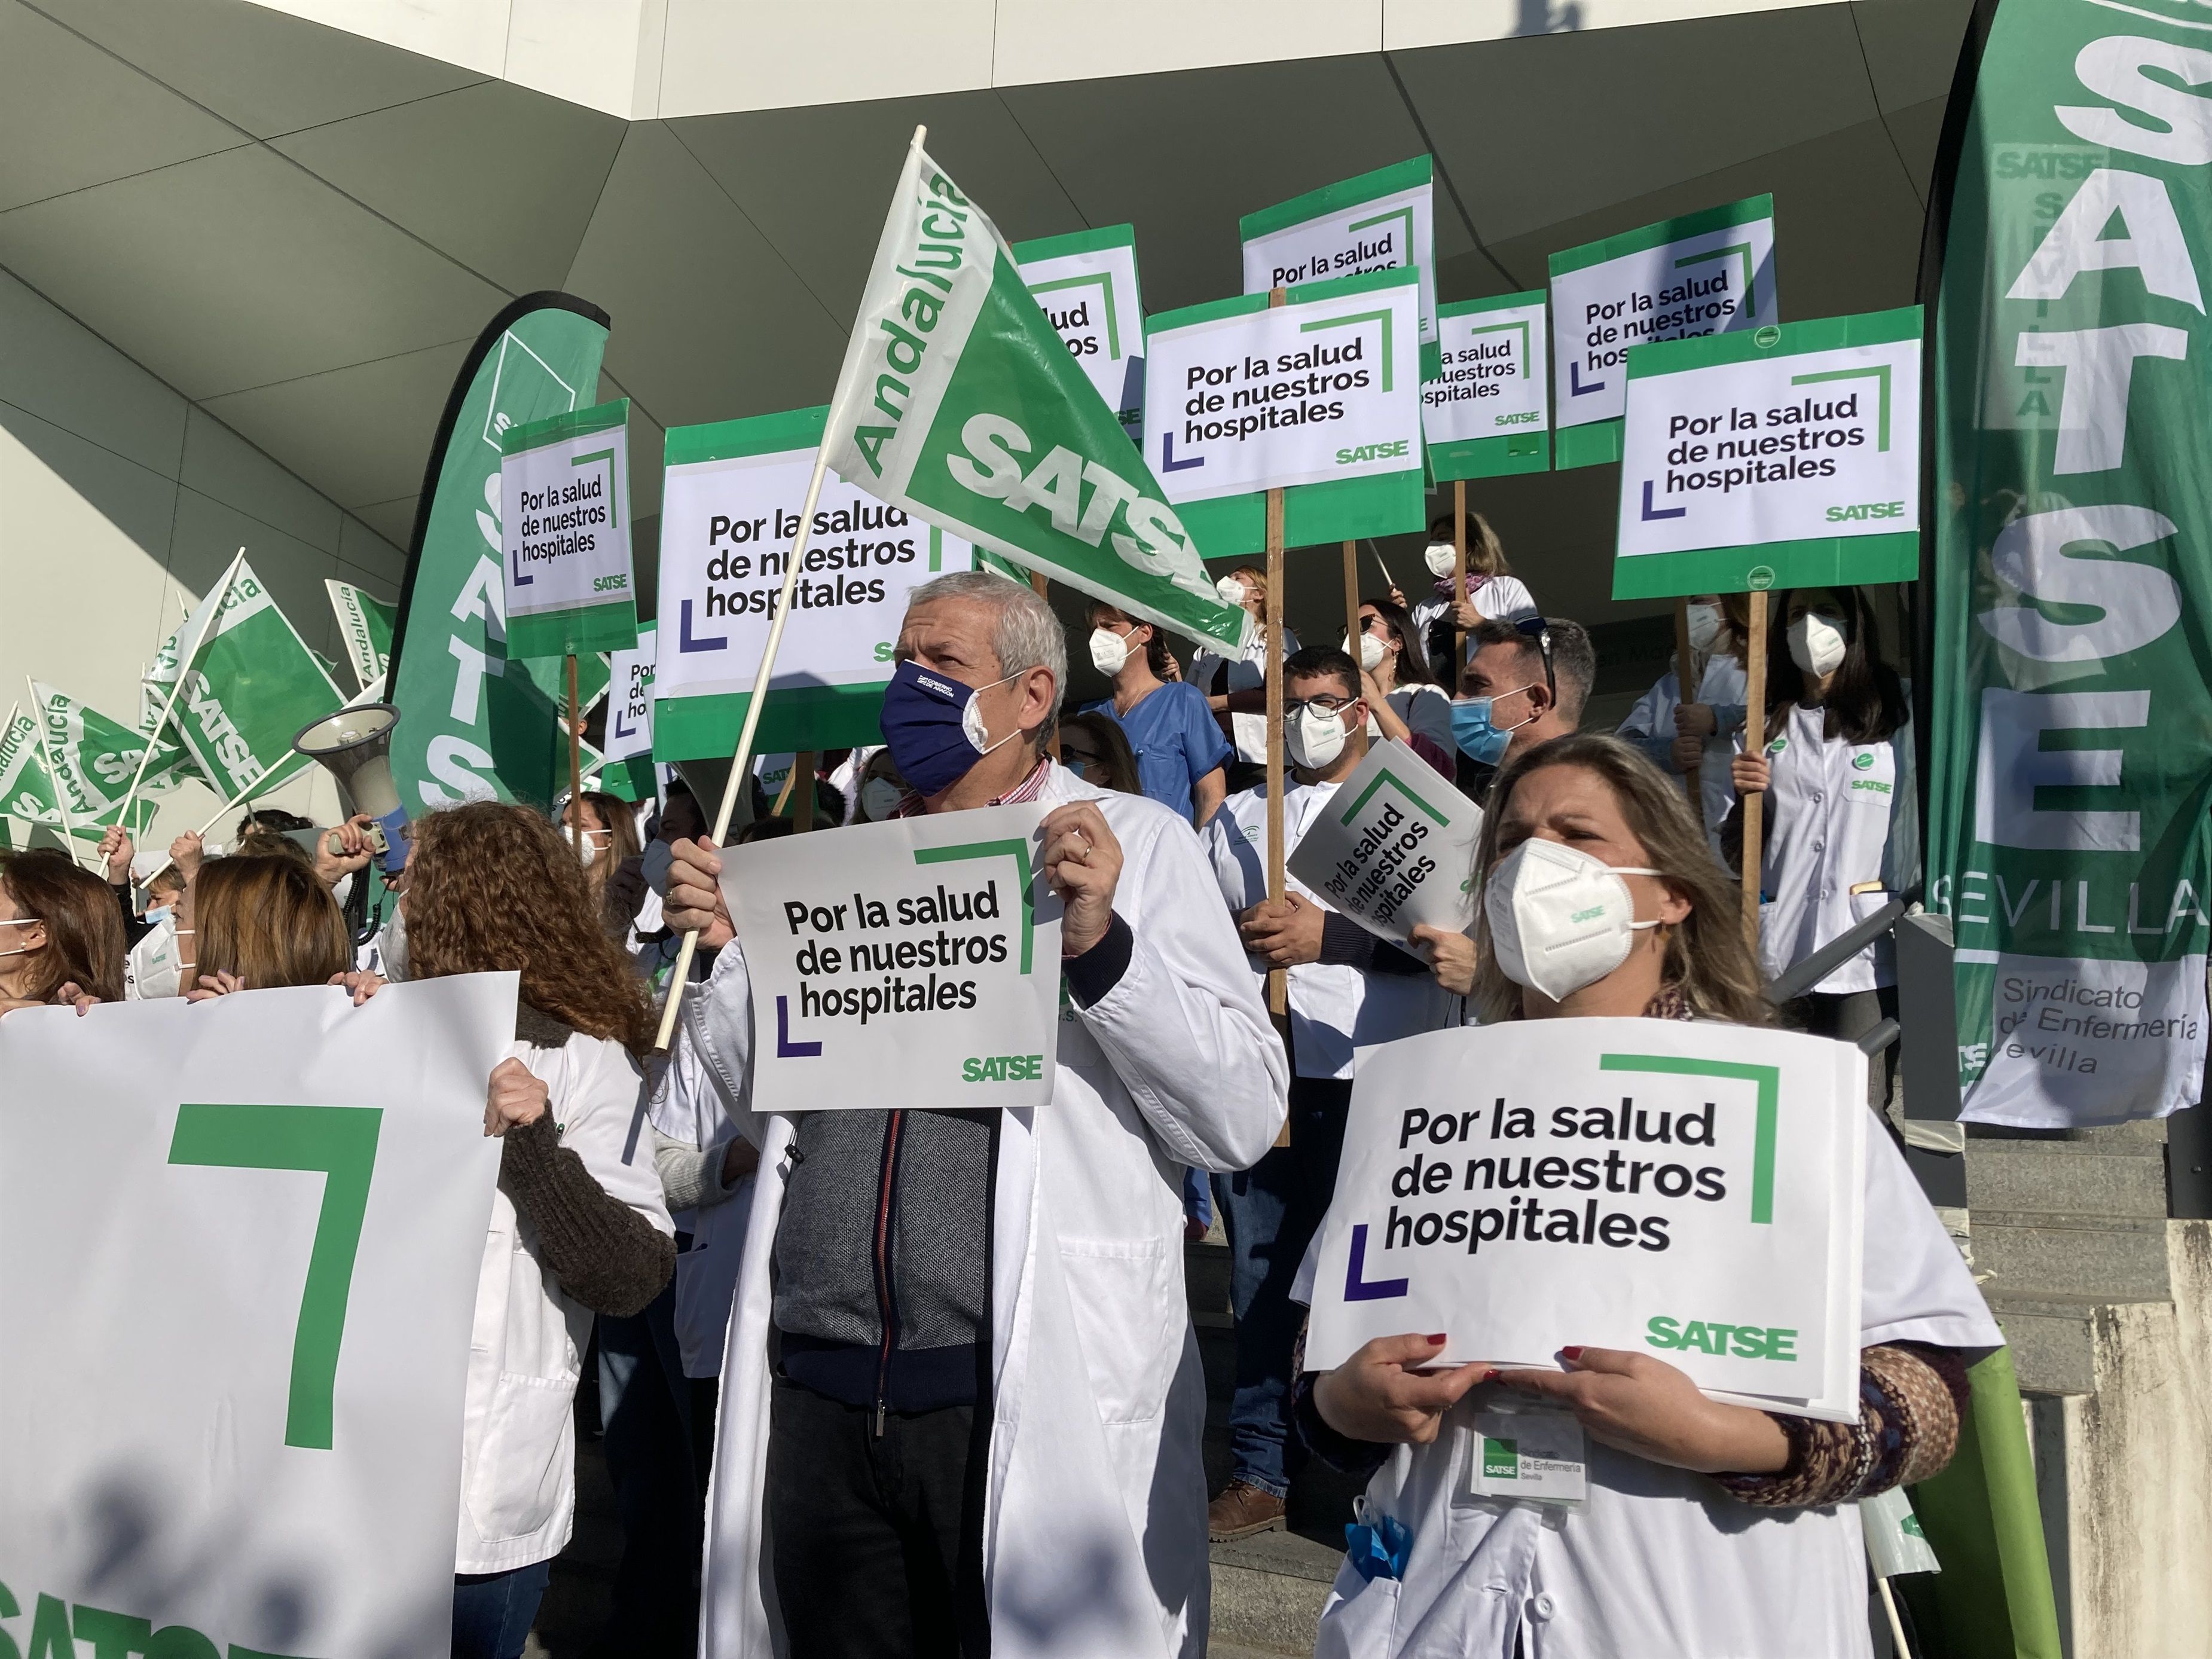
[1879, 372]
[1104, 282]
[1386, 775]
[1382, 316]
[1769, 1079]
[1527, 373]
[1750, 277]
[614, 517]
[1017, 850]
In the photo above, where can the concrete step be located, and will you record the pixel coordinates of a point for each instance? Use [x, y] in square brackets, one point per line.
[2050, 1336]
[2034, 1253]
[2118, 1179]
[1268, 1591]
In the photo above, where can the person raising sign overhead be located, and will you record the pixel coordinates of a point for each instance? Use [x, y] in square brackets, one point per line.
[962, 1401]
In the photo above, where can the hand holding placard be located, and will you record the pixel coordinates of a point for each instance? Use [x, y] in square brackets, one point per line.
[1083, 866]
[1395, 848]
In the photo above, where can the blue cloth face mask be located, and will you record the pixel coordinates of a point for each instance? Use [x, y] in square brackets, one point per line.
[933, 728]
[1478, 739]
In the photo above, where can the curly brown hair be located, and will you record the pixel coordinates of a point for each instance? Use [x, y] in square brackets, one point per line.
[493, 887]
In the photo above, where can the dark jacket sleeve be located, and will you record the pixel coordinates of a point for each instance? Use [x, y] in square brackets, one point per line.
[134, 929]
[605, 1254]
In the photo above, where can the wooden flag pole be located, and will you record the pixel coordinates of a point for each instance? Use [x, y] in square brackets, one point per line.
[746, 732]
[1352, 630]
[1043, 591]
[802, 774]
[1279, 987]
[575, 765]
[1754, 743]
[1459, 582]
[1684, 693]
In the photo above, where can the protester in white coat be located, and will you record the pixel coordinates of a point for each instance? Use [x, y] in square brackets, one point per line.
[1841, 826]
[1348, 990]
[1693, 738]
[1709, 1531]
[1236, 687]
[578, 1226]
[1059, 1509]
[1492, 593]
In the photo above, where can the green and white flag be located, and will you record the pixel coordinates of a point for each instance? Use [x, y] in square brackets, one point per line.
[1320, 398]
[1488, 411]
[1381, 220]
[959, 402]
[1789, 456]
[564, 504]
[475, 722]
[1086, 281]
[2072, 705]
[1705, 273]
[27, 790]
[729, 512]
[93, 758]
[366, 622]
[250, 686]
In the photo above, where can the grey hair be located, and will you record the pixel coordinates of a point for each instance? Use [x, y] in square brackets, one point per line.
[1025, 634]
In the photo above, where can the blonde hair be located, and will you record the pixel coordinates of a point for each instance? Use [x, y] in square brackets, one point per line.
[1707, 959]
[1486, 554]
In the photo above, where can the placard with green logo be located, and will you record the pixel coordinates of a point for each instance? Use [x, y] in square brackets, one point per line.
[1086, 281]
[1488, 411]
[1320, 398]
[1705, 273]
[1395, 848]
[1381, 220]
[565, 510]
[1786, 456]
[1695, 1192]
[730, 511]
[914, 963]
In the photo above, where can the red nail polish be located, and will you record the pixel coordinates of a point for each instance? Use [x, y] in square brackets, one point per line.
[1571, 1355]
[1492, 1375]
[1436, 1341]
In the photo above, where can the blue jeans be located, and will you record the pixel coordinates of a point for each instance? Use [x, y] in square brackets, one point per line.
[645, 1405]
[1271, 1212]
[493, 1611]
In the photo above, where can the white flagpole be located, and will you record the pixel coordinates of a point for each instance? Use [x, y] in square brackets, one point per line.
[184, 660]
[53, 772]
[738, 778]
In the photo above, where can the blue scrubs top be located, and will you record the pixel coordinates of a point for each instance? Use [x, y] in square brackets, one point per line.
[1176, 740]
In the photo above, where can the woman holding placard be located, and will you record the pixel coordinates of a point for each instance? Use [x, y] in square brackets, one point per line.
[1403, 699]
[1842, 820]
[1491, 590]
[1235, 690]
[1687, 1527]
[1692, 738]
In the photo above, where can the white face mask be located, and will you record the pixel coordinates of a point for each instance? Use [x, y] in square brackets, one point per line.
[1560, 919]
[1816, 644]
[588, 849]
[1108, 651]
[1704, 626]
[1440, 557]
[1315, 739]
[1371, 652]
[394, 948]
[19, 921]
[156, 965]
[1231, 590]
[879, 798]
[971, 719]
[342, 892]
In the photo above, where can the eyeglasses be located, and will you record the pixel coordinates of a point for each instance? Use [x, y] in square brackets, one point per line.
[1071, 756]
[1328, 703]
[1536, 629]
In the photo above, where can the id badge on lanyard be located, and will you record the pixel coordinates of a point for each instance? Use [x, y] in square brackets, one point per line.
[1534, 1456]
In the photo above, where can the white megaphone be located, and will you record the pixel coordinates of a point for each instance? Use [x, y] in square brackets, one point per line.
[355, 747]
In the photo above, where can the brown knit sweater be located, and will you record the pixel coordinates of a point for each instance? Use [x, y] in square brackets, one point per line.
[605, 1254]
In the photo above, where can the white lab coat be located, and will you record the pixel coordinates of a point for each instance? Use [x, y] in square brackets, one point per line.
[1094, 1535]
[525, 1350]
[1502, 599]
[1246, 673]
[1333, 1009]
[1722, 681]
[1659, 1564]
[1840, 815]
[687, 1106]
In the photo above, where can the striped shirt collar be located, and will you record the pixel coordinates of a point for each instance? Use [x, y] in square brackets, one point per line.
[911, 805]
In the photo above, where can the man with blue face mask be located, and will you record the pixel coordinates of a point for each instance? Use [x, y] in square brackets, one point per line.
[946, 1316]
[1526, 683]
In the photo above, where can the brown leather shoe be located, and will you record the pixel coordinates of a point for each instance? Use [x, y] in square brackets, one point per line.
[1242, 1510]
